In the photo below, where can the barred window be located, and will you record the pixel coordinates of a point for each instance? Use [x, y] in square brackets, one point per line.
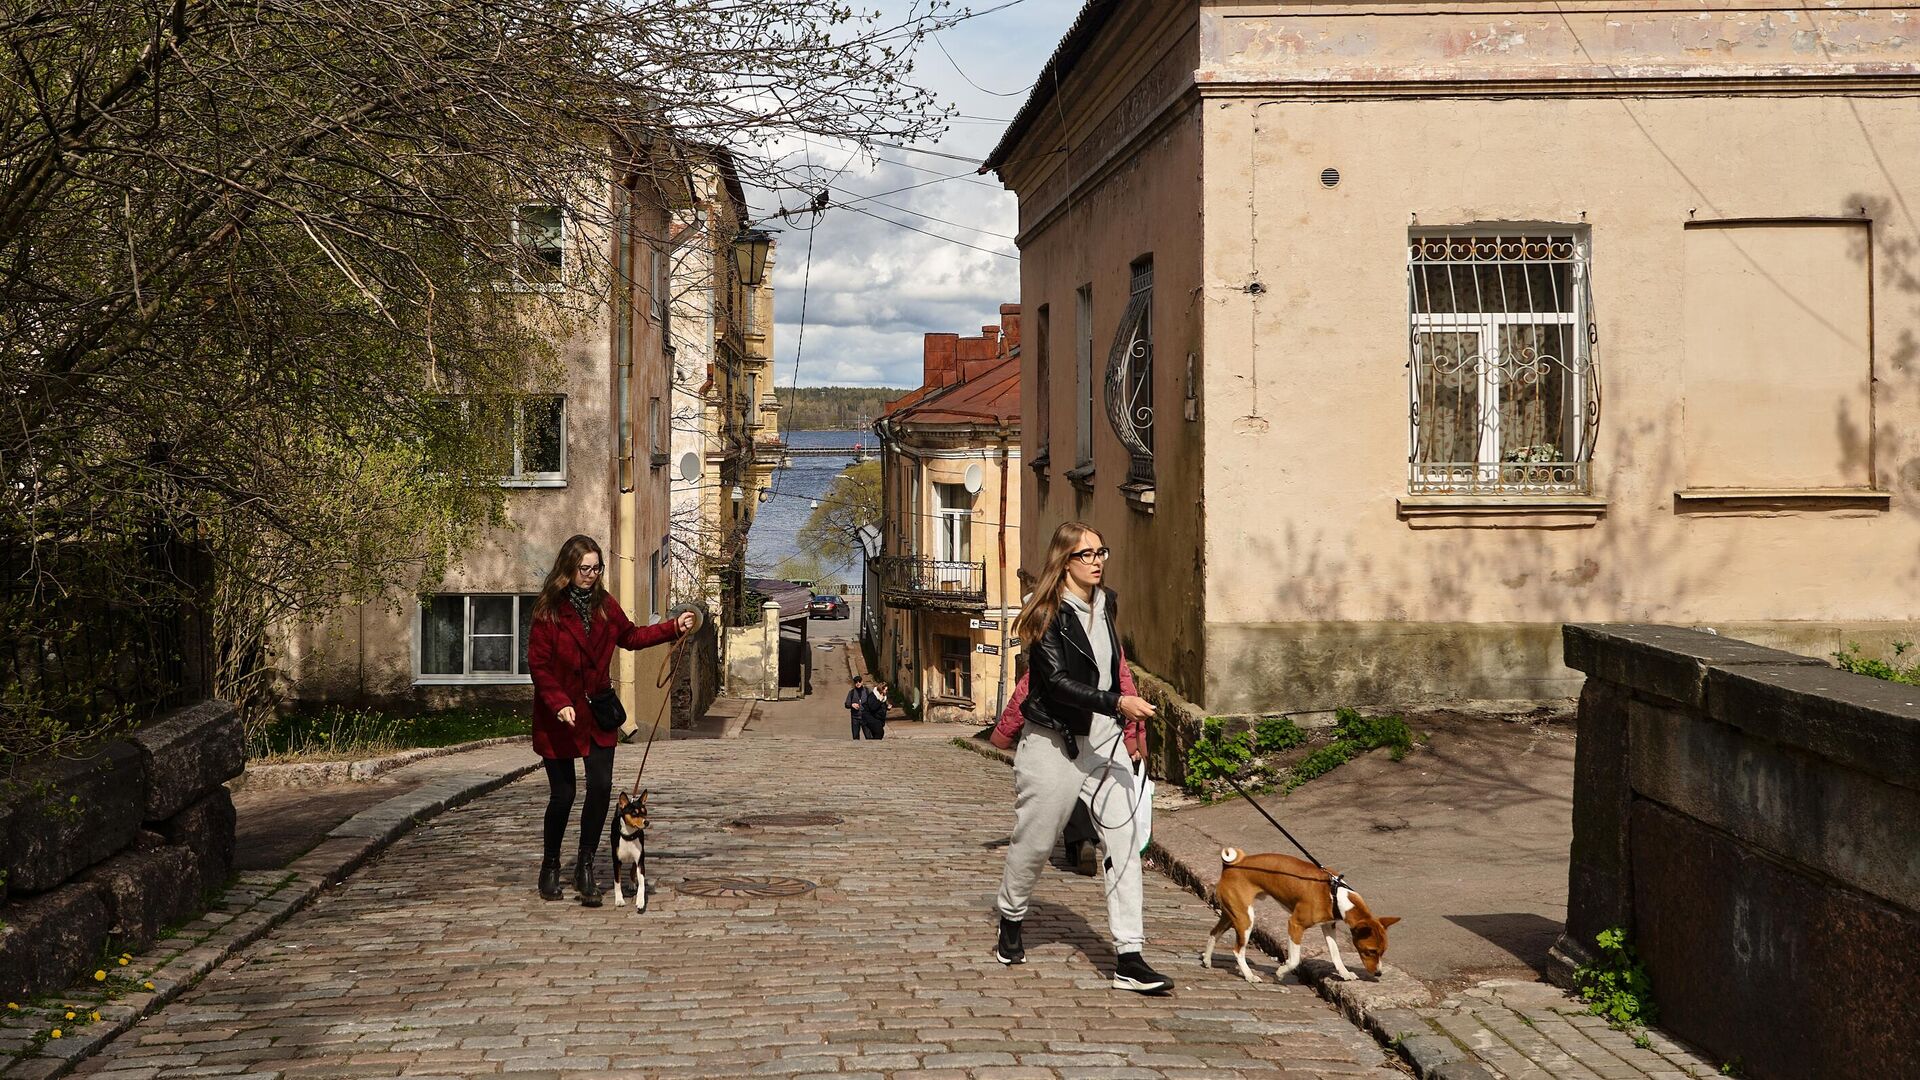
[1130, 376]
[1505, 393]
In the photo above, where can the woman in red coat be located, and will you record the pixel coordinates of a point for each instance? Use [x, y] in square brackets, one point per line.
[570, 652]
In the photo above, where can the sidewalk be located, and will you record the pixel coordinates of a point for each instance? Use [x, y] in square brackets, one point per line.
[1466, 840]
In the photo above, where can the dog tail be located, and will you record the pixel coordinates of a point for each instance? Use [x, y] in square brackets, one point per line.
[1229, 855]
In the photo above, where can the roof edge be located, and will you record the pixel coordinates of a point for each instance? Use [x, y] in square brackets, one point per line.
[1093, 18]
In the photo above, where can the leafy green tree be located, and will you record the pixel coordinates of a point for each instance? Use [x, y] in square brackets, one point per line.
[833, 529]
[249, 250]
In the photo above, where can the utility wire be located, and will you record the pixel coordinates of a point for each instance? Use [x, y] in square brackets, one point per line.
[935, 235]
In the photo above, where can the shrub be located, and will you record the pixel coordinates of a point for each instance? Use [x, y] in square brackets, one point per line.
[1851, 659]
[1216, 754]
[1276, 733]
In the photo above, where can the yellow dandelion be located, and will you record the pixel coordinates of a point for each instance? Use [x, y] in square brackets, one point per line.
[69, 1014]
[96, 1016]
[14, 1005]
[56, 1033]
[100, 976]
[123, 961]
[149, 984]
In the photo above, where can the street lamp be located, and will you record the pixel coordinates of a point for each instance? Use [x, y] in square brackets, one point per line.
[750, 256]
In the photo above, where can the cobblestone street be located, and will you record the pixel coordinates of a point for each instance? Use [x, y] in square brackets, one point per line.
[439, 959]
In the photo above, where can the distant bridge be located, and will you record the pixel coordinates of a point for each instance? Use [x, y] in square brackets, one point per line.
[858, 451]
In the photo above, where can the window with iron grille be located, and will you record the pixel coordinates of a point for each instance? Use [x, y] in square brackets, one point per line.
[1505, 393]
[1130, 376]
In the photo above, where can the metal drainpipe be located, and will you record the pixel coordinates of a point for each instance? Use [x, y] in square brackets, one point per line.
[1000, 695]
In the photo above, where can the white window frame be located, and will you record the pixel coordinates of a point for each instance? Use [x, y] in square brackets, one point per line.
[519, 477]
[1488, 326]
[523, 612]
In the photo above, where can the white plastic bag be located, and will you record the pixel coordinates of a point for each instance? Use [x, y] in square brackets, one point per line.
[1143, 813]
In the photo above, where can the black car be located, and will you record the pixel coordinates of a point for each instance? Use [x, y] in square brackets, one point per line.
[829, 606]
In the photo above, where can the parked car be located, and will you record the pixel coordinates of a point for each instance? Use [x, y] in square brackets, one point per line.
[829, 606]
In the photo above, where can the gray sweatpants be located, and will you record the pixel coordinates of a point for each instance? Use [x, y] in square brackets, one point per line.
[1046, 784]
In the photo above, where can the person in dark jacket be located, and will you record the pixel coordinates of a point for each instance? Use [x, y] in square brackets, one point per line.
[873, 712]
[856, 698]
[576, 627]
[1075, 743]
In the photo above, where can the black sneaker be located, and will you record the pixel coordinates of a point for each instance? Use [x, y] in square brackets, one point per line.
[1009, 950]
[1132, 973]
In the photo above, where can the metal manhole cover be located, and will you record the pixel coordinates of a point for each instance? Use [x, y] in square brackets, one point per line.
[785, 821]
[746, 886]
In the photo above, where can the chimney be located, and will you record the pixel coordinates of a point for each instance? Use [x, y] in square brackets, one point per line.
[942, 359]
[1010, 325]
[990, 336]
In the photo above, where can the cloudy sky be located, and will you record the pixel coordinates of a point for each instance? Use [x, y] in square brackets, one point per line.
[876, 286]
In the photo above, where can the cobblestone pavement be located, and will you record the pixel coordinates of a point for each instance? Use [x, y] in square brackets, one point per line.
[439, 959]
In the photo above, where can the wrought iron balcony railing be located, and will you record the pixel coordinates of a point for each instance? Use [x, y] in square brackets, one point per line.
[910, 582]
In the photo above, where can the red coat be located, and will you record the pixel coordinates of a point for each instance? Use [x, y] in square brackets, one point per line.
[568, 664]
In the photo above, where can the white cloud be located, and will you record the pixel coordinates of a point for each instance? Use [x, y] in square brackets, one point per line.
[876, 286]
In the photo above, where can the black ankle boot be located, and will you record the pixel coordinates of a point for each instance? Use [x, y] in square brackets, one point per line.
[583, 884]
[550, 880]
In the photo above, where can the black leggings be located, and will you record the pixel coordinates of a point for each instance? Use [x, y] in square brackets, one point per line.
[593, 816]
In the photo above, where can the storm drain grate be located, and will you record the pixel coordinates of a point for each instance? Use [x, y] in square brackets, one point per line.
[783, 821]
[732, 887]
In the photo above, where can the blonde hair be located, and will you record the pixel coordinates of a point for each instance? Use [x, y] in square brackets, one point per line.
[1044, 604]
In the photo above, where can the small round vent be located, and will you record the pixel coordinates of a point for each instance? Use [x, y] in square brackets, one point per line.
[1329, 177]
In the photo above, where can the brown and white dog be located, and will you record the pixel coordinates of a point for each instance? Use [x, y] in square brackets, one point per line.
[1312, 896]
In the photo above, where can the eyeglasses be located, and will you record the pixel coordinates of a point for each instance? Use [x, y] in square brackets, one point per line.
[1087, 555]
[592, 569]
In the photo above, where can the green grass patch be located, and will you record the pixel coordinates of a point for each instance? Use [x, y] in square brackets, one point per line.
[1257, 757]
[343, 734]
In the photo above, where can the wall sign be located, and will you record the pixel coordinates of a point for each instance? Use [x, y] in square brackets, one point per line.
[990, 650]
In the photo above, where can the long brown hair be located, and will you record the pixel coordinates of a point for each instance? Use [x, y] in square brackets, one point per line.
[1044, 605]
[553, 594]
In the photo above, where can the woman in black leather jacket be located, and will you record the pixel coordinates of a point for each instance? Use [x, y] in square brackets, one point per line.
[1081, 738]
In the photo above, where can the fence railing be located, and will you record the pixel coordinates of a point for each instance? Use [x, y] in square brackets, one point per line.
[911, 581]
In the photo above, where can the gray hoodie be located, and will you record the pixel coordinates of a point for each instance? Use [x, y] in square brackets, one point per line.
[1093, 620]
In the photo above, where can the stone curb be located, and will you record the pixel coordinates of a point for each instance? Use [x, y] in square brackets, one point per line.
[311, 774]
[345, 850]
[1433, 1055]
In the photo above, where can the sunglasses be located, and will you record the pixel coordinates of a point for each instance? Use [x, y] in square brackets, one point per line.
[1087, 555]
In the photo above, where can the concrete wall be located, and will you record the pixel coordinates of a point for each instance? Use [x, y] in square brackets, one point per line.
[1747, 816]
[1128, 187]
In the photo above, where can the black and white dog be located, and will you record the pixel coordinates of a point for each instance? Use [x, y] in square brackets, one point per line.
[630, 849]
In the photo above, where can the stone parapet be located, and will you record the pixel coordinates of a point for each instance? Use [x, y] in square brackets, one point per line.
[1746, 815]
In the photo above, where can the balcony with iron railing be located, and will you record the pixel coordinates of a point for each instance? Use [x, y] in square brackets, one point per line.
[908, 581]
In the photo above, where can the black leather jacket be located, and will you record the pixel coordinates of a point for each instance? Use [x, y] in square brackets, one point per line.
[1061, 679]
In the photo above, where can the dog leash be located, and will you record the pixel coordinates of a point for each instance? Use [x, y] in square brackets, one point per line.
[1334, 881]
[662, 682]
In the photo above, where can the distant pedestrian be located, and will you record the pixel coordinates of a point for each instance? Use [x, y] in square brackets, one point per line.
[1082, 735]
[873, 712]
[576, 626]
[856, 699]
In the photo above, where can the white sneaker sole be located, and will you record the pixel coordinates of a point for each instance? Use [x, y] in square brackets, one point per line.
[1004, 960]
[1121, 982]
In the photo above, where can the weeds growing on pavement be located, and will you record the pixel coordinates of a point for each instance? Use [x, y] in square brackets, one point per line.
[1615, 985]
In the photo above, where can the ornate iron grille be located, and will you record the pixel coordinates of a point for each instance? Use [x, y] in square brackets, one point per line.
[1505, 394]
[1130, 376]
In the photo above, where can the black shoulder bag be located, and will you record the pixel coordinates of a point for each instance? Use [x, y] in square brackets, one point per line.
[608, 713]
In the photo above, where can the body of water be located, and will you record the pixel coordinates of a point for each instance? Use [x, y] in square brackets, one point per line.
[776, 526]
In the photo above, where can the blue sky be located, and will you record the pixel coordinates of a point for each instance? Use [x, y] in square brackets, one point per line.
[876, 287]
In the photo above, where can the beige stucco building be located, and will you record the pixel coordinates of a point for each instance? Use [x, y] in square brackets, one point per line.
[593, 456]
[1380, 341]
[945, 583]
[724, 441]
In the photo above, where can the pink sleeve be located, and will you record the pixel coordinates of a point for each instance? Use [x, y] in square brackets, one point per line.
[1135, 728]
[1011, 719]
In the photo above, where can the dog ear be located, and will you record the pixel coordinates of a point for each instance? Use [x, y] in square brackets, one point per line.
[1362, 932]
[643, 796]
[1389, 921]
[623, 800]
